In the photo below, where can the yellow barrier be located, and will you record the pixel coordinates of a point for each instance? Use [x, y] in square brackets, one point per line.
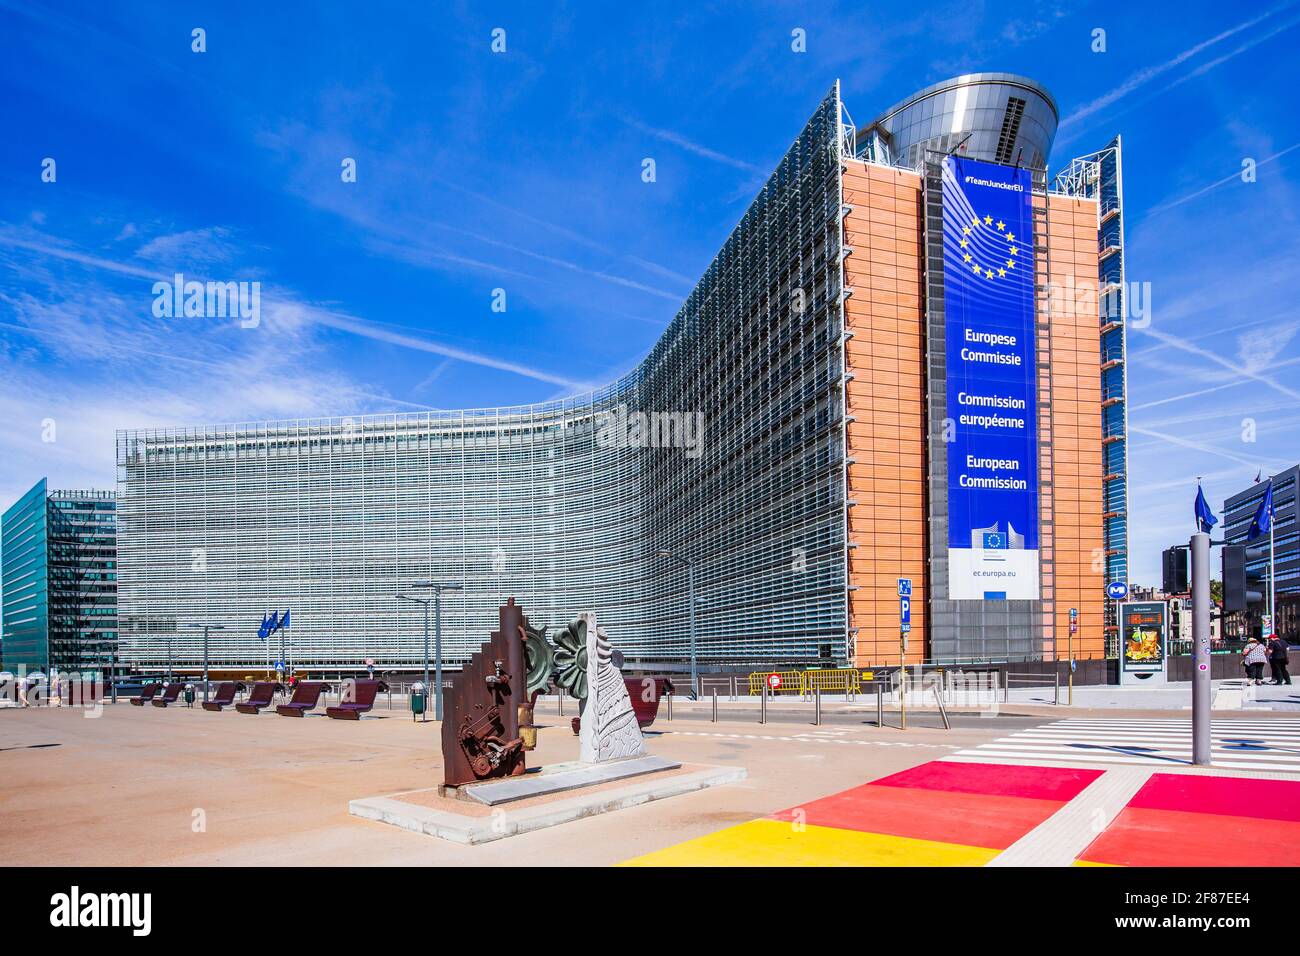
[791, 682]
[843, 680]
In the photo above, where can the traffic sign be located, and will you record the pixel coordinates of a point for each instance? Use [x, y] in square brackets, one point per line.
[1117, 590]
[279, 665]
[774, 681]
[904, 587]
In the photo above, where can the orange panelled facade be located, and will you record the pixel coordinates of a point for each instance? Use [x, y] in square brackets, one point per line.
[1076, 422]
[886, 402]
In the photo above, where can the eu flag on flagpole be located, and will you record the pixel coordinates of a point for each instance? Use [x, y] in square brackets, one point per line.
[1263, 519]
[263, 631]
[1205, 519]
[274, 623]
[284, 621]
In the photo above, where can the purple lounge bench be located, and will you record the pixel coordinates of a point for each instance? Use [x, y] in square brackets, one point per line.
[360, 699]
[224, 697]
[146, 694]
[169, 695]
[305, 697]
[262, 694]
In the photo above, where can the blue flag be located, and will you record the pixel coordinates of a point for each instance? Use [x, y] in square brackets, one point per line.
[274, 623]
[1205, 519]
[264, 630]
[1263, 520]
[284, 621]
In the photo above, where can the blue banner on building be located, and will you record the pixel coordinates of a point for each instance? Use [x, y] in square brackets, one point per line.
[992, 428]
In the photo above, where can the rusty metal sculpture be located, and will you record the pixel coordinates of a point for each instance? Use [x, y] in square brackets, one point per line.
[481, 737]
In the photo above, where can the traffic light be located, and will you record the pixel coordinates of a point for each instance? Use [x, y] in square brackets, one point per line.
[1175, 570]
[1237, 590]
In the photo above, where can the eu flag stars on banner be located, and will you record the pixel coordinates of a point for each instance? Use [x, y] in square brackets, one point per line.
[1205, 519]
[998, 262]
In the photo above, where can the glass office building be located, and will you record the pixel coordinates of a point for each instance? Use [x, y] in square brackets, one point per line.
[738, 469]
[58, 577]
[774, 439]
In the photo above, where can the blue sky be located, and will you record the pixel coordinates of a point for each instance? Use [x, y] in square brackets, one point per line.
[521, 171]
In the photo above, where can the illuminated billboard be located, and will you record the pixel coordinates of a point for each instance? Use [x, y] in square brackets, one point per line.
[991, 377]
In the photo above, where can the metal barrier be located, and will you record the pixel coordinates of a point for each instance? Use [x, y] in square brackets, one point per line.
[845, 680]
[791, 682]
[1033, 680]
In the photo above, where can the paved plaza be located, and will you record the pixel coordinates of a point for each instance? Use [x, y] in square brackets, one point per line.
[146, 786]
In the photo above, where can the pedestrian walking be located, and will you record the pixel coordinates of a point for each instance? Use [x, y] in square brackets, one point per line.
[1277, 660]
[1253, 658]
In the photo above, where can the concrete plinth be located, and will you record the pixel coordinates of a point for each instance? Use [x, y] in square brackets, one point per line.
[424, 811]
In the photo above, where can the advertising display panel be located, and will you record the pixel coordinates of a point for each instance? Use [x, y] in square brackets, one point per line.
[1143, 628]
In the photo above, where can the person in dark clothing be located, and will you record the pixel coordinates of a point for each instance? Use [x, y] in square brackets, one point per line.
[1277, 660]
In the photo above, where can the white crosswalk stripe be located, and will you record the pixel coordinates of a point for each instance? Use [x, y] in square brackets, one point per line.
[1270, 745]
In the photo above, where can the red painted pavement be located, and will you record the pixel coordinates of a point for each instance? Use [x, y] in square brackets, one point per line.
[1061, 784]
[1143, 837]
[973, 819]
[1228, 796]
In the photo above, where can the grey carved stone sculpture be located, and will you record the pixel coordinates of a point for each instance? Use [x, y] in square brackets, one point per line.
[609, 728]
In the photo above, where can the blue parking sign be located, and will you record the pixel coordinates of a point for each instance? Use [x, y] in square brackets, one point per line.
[905, 612]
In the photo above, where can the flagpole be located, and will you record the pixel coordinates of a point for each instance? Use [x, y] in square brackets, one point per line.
[1272, 575]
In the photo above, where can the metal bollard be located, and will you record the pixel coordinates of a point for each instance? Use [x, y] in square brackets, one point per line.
[560, 701]
[670, 706]
[715, 705]
[1056, 691]
[880, 705]
[762, 705]
[817, 707]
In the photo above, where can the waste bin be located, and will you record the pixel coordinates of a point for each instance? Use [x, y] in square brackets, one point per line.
[189, 695]
[417, 699]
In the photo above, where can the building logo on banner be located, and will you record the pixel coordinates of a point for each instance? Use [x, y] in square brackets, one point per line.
[991, 382]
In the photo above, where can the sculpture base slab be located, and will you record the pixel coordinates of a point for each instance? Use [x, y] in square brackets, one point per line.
[557, 778]
[424, 811]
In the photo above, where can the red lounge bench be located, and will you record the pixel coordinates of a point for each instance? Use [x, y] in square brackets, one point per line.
[305, 696]
[146, 694]
[646, 710]
[169, 695]
[261, 696]
[359, 700]
[224, 697]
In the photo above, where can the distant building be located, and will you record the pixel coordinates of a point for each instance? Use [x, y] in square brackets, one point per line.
[1238, 512]
[58, 581]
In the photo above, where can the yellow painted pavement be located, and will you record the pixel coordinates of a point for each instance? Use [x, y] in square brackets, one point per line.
[780, 843]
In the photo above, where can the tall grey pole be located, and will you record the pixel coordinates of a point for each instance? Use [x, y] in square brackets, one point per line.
[695, 682]
[437, 652]
[426, 651]
[1200, 551]
[205, 663]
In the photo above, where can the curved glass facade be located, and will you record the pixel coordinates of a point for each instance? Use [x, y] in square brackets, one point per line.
[1002, 117]
[725, 447]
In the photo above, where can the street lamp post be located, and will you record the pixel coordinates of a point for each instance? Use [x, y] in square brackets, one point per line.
[690, 577]
[206, 628]
[425, 602]
[438, 588]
